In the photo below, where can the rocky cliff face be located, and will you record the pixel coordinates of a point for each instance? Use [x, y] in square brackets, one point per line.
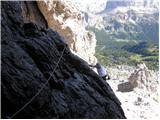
[66, 19]
[34, 57]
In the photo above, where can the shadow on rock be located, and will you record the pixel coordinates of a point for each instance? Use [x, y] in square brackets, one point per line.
[125, 87]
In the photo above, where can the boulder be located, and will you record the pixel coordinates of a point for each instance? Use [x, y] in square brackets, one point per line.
[125, 87]
[143, 78]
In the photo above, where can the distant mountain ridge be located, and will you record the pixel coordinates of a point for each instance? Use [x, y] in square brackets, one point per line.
[112, 4]
[101, 6]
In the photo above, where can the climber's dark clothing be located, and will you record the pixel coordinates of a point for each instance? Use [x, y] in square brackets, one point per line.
[104, 77]
[108, 77]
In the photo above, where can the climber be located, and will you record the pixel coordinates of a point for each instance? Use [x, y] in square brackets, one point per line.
[101, 71]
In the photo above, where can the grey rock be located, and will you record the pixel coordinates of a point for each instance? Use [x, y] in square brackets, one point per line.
[125, 87]
[28, 60]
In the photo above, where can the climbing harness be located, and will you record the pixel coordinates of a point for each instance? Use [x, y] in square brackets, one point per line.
[25, 105]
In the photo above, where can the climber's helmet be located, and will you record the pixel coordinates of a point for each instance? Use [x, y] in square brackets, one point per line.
[98, 65]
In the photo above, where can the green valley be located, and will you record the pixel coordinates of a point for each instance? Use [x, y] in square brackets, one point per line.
[128, 42]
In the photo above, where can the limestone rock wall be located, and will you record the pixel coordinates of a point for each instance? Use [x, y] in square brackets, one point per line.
[65, 18]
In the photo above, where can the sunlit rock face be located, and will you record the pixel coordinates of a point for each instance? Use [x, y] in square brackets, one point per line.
[66, 19]
[144, 79]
